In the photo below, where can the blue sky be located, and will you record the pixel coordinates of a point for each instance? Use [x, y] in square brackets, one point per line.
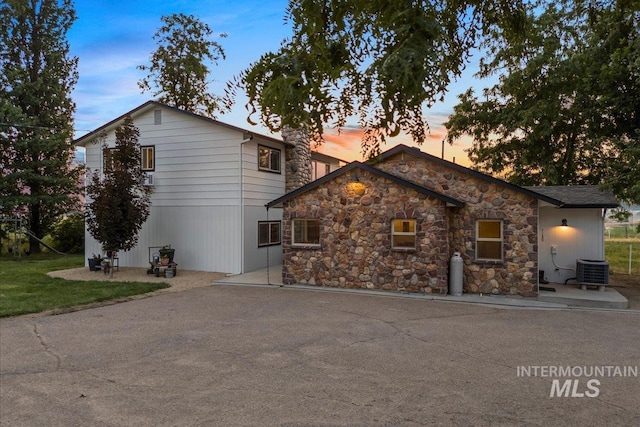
[111, 38]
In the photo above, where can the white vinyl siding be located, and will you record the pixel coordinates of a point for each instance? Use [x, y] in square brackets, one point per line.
[209, 193]
[205, 238]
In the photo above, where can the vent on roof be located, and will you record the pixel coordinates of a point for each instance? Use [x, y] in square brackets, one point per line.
[592, 272]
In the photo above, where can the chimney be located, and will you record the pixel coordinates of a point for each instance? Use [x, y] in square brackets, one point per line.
[297, 158]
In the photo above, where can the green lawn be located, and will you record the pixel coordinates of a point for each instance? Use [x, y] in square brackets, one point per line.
[26, 288]
[616, 252]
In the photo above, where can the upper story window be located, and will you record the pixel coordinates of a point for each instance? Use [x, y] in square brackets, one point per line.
[306, 232]
[489, 240]
[148, 157]
[157, 117]
[268, 159]
[319, 169]
[403, 234]
[108, 161]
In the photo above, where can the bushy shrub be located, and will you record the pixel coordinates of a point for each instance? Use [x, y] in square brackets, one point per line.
[68, 234]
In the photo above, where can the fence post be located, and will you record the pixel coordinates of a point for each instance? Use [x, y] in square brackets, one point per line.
[630, 246]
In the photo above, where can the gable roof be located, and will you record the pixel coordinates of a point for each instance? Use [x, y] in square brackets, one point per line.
[357, 165]
[401, 148]
[578, 196]
[82, 141]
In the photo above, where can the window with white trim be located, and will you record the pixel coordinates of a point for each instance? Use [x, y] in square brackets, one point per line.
[489, 240]
[305, 232]
[268, 233]
[268, 159]
[148, 157]
[319, 169]
[403, 234]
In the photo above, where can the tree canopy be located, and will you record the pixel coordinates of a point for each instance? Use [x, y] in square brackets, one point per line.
[178, 73]
[118, 201]
[37, 75]
[382, 61]
[566, 109]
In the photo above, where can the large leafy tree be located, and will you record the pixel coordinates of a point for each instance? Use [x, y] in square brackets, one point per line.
[566, 109]
[118, 201]
[37, 75]
[178, 74]
[382, 61]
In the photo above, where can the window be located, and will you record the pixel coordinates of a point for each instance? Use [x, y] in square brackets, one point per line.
[403, 234]
[148, 157]
[157, 117]
[489, 240]
[319, 169]
[108, 161]
[306, 232]
[268, 233]
[268, 159]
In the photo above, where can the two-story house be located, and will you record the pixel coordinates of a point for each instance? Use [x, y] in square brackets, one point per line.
[211, 183]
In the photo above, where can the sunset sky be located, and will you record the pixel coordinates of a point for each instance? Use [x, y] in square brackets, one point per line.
[111, 38]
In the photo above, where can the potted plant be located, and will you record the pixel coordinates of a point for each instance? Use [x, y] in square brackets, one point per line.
[168, 252]
[95, 262]
[165, 260]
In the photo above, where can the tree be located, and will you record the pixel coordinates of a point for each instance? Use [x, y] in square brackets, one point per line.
[566, 109]
[37, 76]
[381, 60]
[178, 74]
[119, 202]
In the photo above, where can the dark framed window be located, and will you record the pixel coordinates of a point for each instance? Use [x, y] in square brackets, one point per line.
[148, 157]
[489, 240]
[306, 232]
[268, 233]
[268, 159]
[403, 234]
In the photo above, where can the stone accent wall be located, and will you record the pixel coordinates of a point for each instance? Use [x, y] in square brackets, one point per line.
[517, 272]
[297, 158]
[355, 236]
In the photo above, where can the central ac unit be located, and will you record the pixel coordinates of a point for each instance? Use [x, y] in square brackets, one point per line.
[592, 272]
[148, 179]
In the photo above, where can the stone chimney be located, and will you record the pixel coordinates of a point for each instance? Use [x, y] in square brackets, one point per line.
[297, 158]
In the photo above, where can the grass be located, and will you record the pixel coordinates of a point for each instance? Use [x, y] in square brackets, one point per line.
[616, 253]
[26, 288]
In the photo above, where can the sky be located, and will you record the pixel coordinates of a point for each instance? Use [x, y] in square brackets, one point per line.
[111, 38]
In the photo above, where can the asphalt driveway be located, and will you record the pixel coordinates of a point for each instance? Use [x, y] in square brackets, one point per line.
[228, 355]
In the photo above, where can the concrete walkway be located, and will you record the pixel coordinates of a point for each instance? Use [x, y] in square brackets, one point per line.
[565, 296]
[572, 295]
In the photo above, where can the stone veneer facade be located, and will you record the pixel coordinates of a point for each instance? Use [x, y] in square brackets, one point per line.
[517, 272]
[297, 158]
[355, 236]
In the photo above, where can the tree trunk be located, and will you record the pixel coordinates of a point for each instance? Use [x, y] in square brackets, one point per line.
[34, 226]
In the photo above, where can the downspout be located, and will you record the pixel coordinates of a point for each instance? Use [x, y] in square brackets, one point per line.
[246, 136]
[268, 250]
[242, 224]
